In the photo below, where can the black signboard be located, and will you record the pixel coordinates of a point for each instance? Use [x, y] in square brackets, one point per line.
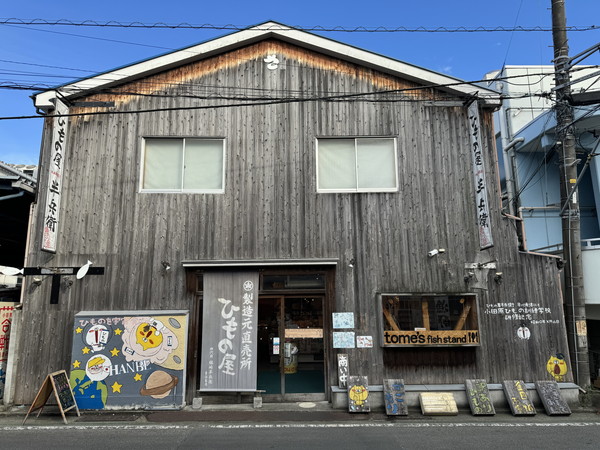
[343, 366]
[393, 395]
[553, 402]
[518, 400]
[358, 394]
[58, 383]
[64, 394]
[479, 399]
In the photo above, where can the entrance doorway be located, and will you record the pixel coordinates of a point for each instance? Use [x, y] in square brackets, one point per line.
[290, 350]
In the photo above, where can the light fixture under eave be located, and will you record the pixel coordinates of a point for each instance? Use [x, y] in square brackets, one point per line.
[83, 270]
[11, 271]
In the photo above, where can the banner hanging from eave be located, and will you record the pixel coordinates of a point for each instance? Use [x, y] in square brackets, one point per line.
[229, 331]
[481, 196]
[55, 177]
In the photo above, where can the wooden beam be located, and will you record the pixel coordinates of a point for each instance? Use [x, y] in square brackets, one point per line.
[391, 320]
[425, 311]
[463, 317]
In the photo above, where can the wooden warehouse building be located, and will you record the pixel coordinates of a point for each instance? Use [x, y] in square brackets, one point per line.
[268, 200]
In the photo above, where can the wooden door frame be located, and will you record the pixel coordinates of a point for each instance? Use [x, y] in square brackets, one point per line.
[195, 292]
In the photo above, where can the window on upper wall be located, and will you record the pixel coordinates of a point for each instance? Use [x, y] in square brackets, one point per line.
[183, 165]
[357, 165]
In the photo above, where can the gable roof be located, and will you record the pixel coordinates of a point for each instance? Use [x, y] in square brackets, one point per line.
[310, 41]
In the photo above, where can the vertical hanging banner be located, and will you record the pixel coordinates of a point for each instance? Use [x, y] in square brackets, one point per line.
[229, 331]
[481, 197]
[55, 177]
[6, 313]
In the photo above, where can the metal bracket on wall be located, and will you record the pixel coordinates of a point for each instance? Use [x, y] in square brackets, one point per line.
[57, 273]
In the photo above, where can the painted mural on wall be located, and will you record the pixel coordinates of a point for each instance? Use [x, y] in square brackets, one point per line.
[557, 366]
[126, 359]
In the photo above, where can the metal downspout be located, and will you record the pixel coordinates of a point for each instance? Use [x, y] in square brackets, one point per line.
[510, 175]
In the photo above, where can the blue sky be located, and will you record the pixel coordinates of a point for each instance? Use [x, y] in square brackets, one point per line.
[27, 50]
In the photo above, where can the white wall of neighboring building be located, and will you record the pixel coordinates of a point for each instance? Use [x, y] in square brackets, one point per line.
[527, 95]
[524, 86]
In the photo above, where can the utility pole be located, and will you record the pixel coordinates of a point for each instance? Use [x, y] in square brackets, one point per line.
[574, 306]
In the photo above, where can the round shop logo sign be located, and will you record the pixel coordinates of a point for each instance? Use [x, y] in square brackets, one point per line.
[248, 285]
[523, 332]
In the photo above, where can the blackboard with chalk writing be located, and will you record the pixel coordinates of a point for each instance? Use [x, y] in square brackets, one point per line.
[58, 383]
[479, 399]
[517, 397]
[64, 394]
[554, 403]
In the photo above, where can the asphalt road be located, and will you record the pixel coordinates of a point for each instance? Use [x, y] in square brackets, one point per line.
[460, 435]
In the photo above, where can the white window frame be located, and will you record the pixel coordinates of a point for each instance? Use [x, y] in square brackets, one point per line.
[356, 139]
[181, 190]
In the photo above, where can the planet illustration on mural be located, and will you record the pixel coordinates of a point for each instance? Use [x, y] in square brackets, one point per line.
[159, 384]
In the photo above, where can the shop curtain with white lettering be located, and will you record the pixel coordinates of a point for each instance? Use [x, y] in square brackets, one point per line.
[229, 331]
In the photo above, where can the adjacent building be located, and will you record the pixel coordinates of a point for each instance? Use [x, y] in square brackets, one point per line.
[527, 144]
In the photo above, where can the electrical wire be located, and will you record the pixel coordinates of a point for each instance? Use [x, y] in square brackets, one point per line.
[93, 37]
[280, 27]
[153, 82]
[512, 34]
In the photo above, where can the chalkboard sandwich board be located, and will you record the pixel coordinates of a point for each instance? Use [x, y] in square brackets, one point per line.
[553, 402]
[393, 395]
[358, 394]
[479, 399]
[517, 397]
[58, 383]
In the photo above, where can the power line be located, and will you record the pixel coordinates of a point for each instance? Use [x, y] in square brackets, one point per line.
[117, 41]
[253, 102]
[337, 28]
[8, 84]
[46, 65]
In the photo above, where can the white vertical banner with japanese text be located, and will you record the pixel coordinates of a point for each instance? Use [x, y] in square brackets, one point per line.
[481, 195]
[55, 177]
[229, 331]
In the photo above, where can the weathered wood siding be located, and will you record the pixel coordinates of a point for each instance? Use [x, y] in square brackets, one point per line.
[270, 209]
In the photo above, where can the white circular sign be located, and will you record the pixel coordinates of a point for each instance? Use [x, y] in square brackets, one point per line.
[523, 333]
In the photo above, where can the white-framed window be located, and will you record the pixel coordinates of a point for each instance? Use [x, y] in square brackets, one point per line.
[183, 165]
[363, 164]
